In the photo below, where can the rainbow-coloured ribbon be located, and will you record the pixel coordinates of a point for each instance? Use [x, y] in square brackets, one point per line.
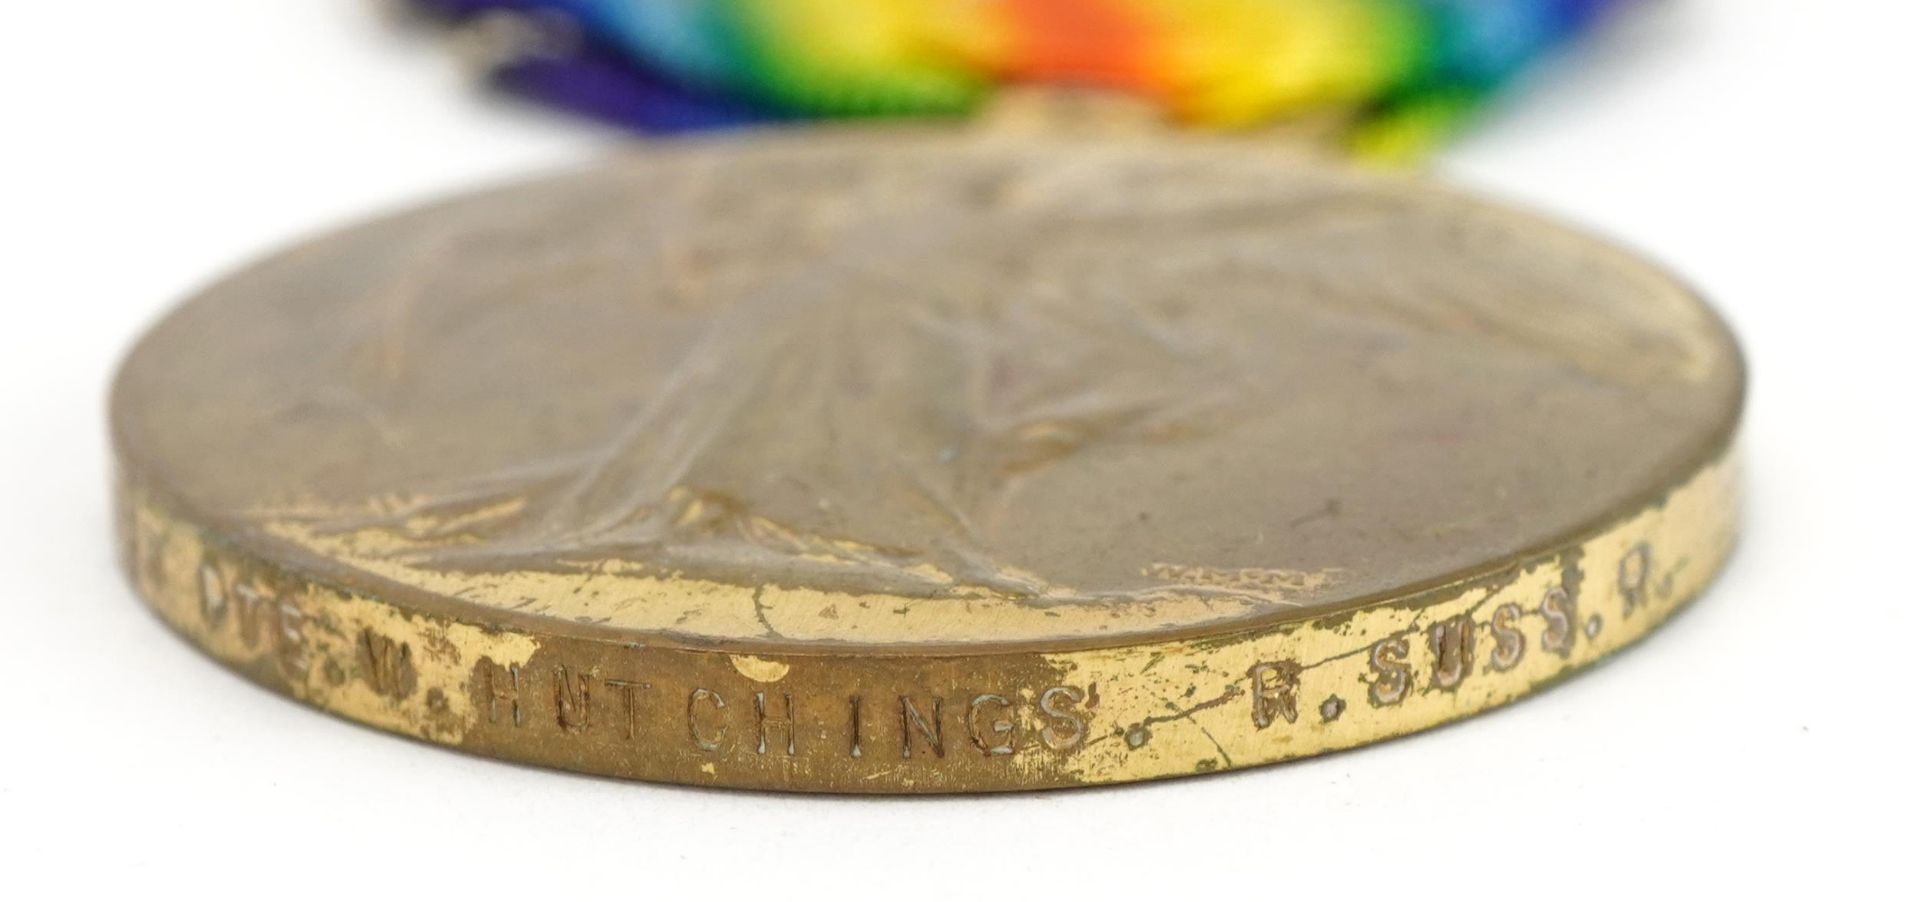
[1402, 72]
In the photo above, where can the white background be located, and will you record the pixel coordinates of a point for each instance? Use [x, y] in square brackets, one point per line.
[1765, 740]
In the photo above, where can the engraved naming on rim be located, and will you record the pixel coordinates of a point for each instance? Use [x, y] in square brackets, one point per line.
[903, 461]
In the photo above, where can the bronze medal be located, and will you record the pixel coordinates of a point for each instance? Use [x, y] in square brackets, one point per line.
[929, 463]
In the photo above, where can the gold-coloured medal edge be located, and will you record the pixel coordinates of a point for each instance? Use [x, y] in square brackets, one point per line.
[838, 720]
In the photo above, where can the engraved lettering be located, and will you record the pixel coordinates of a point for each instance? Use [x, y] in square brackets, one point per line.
[853, 717]
[213, 595]
[912, 722]
[496, 694]
[1391, 675]
[1451, 641]
[1509, 644]
[1632, 578]
[704, 739]
[1274, 687]
[627, 689]
[1065, 728]
[1561, 612]
[286, 637]
[760, 721]
[252, 608]
[998, 736]
[572, 699]
[387, 665]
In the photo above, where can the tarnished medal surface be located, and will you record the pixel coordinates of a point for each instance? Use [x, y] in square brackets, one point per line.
[919, 463]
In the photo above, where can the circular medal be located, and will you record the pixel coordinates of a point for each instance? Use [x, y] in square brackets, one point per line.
[919, 462]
